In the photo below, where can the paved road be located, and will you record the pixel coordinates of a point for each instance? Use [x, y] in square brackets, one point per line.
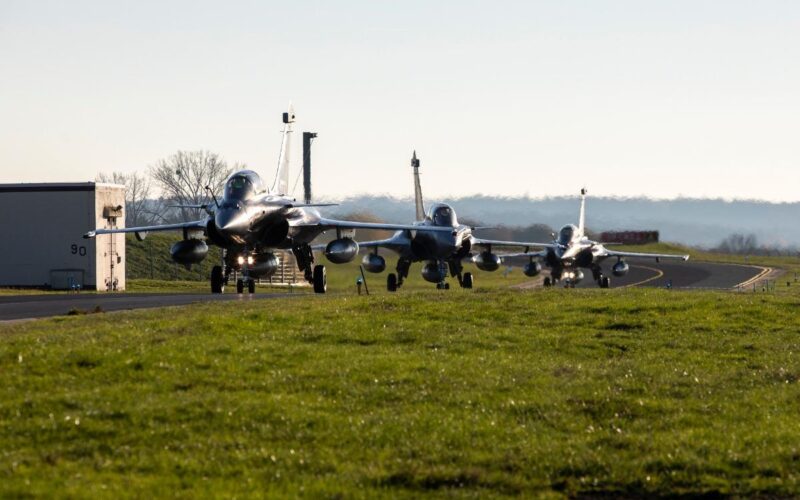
[681, 274]
[39, 306]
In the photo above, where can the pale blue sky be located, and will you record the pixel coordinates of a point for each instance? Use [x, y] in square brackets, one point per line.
[667, 98]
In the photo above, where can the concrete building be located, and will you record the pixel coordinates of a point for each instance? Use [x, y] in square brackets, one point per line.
[42, 244]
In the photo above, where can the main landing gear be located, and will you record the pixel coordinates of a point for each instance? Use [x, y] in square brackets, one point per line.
[602, 280]
[217, 280]
[457, 269]
[395, 281]
[316, 275]
[220, 274]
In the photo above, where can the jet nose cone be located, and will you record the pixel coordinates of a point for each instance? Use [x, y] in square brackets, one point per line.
[230, 221]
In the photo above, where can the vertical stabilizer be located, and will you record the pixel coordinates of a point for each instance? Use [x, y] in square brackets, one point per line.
[417, 188]
[281, 184]
[582, 216]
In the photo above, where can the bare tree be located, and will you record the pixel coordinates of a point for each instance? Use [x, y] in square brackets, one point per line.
[137, 192]
[738, 243]
[183, 178]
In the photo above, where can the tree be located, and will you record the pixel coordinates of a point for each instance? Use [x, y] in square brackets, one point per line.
[137, 192]
[739, 244]
[183, 178]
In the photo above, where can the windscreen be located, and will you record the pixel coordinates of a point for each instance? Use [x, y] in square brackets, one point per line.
[444, 216]
[239, 187]
[565, 235]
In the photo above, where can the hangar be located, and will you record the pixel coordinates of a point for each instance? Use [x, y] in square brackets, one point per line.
[43, 246]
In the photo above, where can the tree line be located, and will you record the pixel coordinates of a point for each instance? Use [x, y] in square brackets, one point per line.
[170, 190]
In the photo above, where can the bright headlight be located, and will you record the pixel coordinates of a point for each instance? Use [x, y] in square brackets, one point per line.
[240, 260]
[250, 260]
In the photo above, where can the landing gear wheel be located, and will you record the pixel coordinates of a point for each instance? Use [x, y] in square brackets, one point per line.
[447, 286]
[239, 286]
[548, 282]
[217, 280]
[466, 281]
[605, 282]
[391, 282]
[320, 279]
[251, 286]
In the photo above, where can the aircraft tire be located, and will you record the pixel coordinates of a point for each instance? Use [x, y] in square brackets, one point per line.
[320, 279]
[251, 286]
[239, 286]
[391, 282]
[547, 282]
[467, 281]
[605, 282]
[217, 280]
[447, 286]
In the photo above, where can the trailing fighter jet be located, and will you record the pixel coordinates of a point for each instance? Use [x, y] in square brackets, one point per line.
[572, 250]
[251, 221]
[442, 252]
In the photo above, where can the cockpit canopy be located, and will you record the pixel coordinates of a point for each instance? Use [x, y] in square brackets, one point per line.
[566, 234]
[442, 215]
[243, 185]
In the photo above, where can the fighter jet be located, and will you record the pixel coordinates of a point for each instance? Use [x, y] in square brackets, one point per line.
[441, 251]
[251, 222]
[571, 250]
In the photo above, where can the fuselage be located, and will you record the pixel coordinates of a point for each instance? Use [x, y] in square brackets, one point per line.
[428, 245]
[571, 249]
[249, 216]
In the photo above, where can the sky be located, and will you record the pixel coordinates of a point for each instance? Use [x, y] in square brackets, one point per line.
[626, 97]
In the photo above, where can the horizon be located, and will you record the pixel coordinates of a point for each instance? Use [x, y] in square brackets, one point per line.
[690, 99]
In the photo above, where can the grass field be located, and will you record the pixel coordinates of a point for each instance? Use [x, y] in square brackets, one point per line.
[494, 392]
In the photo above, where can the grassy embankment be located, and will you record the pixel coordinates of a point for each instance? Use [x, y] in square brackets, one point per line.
[622, 392]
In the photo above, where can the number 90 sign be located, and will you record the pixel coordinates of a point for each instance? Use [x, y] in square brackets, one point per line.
[78, 250]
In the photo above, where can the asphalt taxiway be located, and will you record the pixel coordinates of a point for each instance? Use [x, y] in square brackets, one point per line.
[675, 274]
[707, 275]
[16, 307]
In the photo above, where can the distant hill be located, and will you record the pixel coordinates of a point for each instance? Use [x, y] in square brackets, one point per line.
[700, 222]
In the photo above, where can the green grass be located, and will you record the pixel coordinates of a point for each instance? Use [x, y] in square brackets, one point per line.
[550, 392]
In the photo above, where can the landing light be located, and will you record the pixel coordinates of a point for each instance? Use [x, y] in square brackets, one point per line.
[250, 260]
[240, 260]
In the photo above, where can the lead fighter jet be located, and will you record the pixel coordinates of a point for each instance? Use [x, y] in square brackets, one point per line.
[441, 251]
[572, 250]
[251, 221]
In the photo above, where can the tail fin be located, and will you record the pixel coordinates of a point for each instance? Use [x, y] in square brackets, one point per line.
[417, 188]
[281, 184]
[582, 216]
